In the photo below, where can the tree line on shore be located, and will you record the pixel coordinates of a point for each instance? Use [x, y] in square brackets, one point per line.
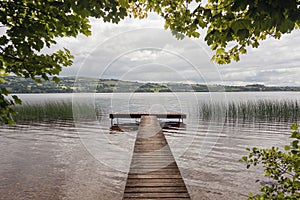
[84, 84]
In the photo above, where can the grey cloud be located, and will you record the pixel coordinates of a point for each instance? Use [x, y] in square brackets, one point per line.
[148, 48]
[275, 62]
[157, 55]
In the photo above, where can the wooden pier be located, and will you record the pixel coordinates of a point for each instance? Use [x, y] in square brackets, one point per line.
[138, 115]
[153, 173]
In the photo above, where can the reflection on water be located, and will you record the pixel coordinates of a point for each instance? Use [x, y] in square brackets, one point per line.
[218, 175]
[48, 161]
[51, 160]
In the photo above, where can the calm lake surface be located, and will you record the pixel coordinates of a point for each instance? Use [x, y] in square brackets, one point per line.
[83, 159]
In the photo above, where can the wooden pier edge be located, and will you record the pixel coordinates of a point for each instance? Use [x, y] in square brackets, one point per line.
[153, 173]
[138, 115]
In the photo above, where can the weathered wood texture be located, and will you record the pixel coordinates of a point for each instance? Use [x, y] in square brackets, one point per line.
[153, 173]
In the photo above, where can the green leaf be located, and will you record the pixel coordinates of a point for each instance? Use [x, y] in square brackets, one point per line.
[55, 79]
[287, 148]
[196, 34]
[17, 100]
[295, 144]
[4, 91]
[220, 51]
[240, 24]
[294, 151]
[245, 158]
[38, 80]
[243, 50]
[294, 126]
[250, 194]
[3, 72]
[295, 134]
[124, 3]
[243, 33]
[255, 44]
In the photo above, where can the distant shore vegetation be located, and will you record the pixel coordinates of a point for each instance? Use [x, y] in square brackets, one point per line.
[68, 85]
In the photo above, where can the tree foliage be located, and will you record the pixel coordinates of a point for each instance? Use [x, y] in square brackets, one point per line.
[231, 25]
[30, 26]
[283, 167]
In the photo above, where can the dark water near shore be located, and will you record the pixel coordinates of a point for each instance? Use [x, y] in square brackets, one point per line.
[85, 160]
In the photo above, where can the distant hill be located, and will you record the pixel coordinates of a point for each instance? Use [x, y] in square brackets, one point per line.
[68, 85]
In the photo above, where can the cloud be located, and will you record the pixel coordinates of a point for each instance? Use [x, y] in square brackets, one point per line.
[141, 50]
[143, 55]
[275, 62]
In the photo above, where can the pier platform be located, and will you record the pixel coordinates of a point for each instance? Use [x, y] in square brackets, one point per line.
[138, 115]
[153, 173]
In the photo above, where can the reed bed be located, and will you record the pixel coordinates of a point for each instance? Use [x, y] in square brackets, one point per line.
[275, 110]
[55, 111]
[270, 110]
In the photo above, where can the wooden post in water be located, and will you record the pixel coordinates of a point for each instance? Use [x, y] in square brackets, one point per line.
[153, 172]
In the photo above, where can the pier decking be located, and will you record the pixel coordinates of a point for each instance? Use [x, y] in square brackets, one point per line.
[153, 173]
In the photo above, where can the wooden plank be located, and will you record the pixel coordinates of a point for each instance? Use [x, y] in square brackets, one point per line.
[153, 173]
[157, 195]
[155, 189]
[166, 198]
[162, 176]
[153, 198]
[169, 172]
[155, 184]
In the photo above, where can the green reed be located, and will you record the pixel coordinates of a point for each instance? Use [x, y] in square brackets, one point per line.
[281, 110]
[59, 110]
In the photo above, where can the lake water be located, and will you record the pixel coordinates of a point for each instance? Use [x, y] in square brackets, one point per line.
[83, 159]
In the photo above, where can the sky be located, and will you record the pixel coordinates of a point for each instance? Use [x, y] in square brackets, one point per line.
[141, 50]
